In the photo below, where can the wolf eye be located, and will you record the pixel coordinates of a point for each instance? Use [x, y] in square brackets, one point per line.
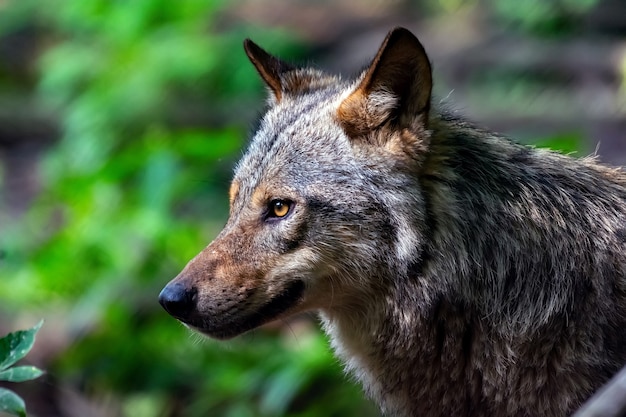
[279, 208]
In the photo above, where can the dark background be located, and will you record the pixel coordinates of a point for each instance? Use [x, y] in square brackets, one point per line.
[120, 122]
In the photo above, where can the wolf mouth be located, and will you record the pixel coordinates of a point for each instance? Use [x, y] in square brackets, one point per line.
[289, 297]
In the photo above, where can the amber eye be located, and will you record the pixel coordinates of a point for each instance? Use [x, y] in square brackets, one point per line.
[279, 208]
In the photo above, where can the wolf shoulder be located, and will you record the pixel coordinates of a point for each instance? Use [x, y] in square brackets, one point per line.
[480, 161]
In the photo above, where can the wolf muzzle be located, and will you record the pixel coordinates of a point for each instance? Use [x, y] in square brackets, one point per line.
[179, 300]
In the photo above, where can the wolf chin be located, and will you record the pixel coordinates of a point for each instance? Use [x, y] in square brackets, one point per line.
[456, 272]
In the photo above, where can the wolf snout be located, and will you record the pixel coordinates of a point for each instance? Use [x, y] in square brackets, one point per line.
[178, 300]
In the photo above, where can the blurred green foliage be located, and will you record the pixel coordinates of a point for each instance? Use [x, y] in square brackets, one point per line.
[549, 18]
[132, 191]
[148, 94]
[545, 17]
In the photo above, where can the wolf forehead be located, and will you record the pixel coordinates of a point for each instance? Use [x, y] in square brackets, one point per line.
[299, 133]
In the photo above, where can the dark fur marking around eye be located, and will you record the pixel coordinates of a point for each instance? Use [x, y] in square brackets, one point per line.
[294, 240]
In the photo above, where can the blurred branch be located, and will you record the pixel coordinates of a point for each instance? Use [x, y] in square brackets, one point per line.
[23, 121]
[610, 401]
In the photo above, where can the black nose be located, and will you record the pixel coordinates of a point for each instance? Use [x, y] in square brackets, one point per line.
[178, 300]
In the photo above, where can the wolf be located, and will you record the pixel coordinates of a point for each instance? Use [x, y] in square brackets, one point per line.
[456, 272]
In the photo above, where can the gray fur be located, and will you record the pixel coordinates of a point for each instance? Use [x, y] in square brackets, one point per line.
[456, 272]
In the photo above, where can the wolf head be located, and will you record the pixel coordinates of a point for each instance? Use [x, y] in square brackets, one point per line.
[326, 204]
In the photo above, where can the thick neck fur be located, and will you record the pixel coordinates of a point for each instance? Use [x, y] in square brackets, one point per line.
[509, 308]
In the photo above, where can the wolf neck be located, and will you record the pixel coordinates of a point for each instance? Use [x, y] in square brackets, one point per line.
[419, 329]
[412, 330]
[401, 345]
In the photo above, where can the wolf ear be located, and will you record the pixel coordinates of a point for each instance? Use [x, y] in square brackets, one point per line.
[269, 67]
[395, 87]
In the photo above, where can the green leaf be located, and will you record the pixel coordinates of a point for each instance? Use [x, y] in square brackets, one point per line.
[20, 374]
[11, 403]
[15, 346]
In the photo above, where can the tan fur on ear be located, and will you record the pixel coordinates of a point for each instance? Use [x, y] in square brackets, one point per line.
[233, 191]
[396, 86]
[269, 67]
